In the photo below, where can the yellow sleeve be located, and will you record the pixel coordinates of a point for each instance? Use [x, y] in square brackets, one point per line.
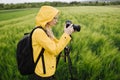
[56, 40]
[50, 45]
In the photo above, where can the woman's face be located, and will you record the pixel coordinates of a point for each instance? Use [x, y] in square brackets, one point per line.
[54, 21]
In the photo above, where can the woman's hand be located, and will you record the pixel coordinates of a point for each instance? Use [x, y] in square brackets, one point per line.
[69, 30]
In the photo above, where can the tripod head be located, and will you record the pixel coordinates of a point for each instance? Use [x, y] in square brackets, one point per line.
[66, 52]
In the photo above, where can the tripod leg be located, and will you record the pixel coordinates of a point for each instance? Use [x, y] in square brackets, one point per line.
[70, 66]
[58, 59]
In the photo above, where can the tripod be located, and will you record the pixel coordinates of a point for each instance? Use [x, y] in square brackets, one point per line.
[67, 52]
[67, 56]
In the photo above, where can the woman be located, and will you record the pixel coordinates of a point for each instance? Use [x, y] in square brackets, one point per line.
[46, 18]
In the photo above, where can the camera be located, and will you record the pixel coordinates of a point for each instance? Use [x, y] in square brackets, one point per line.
[75, 26]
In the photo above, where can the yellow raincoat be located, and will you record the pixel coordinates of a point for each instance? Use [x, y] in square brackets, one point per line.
[52, 46]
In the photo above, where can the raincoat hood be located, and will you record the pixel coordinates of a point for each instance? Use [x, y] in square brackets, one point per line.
[45, 15]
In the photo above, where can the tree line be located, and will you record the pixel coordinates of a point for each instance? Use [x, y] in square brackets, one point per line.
[56, 4]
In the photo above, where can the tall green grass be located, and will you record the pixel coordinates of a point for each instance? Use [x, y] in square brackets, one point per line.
[95, 51]
[15, 13]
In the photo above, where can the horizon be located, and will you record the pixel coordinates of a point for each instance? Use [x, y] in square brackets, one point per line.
[31, 1]
[35, 1]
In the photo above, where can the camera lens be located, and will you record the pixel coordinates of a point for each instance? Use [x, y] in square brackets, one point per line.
[76, 27]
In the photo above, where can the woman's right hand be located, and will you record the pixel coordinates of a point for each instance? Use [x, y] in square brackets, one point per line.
[69, 30]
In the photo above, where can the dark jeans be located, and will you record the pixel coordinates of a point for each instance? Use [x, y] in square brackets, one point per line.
[36, 77]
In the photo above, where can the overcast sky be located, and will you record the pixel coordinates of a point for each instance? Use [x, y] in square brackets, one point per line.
[23, 1]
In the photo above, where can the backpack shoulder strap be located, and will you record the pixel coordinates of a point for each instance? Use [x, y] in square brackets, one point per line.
[39, 28]
[43, 62]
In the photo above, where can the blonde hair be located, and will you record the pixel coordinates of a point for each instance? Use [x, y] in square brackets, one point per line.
[50, 32]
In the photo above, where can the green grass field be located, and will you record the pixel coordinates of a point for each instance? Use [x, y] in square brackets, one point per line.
[95, 52]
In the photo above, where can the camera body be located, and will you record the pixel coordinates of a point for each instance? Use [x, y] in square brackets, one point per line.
[75, 27]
